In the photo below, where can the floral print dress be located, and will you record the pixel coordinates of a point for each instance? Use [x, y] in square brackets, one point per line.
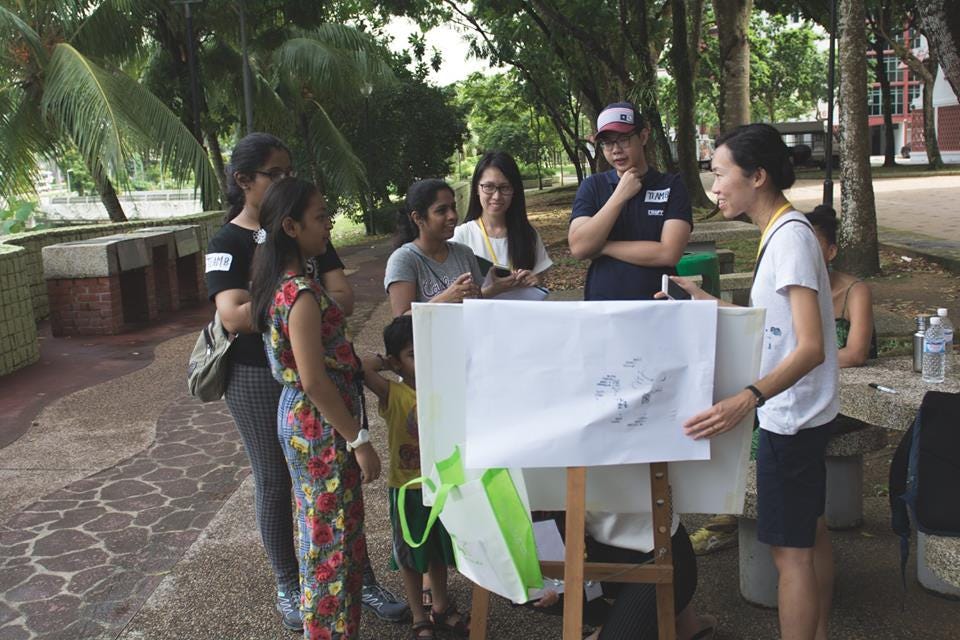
[326, 477]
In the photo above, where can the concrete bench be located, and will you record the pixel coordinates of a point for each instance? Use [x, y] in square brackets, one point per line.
[735, 287]
[938, 564]
[101, 285]
[844, 509]
[177, 264]
[706, 235]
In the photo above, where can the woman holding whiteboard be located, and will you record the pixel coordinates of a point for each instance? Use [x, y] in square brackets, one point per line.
[796, 396]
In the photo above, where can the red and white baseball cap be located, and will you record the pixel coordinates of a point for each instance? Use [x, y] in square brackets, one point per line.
[618, 117]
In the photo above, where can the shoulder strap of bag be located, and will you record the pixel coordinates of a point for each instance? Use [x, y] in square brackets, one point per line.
[763, 249]
[451, 475]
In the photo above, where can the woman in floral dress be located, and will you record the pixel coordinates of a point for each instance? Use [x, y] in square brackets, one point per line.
[327, 451]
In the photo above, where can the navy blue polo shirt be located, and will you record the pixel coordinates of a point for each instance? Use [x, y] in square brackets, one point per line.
[663, 197]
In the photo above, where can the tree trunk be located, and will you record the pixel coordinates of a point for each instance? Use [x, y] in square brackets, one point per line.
[216, 156]
[934, 160]
[889, 151]
[733, 21]
[687, 157]
[108, 196]
[942, 30]
[858, 220]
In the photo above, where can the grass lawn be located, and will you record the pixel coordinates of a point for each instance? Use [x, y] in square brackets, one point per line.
[347, 232]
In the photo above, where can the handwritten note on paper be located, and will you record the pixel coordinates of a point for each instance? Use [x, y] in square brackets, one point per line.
[586, 383]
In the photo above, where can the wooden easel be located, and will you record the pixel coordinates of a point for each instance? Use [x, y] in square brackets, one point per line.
[574, 569]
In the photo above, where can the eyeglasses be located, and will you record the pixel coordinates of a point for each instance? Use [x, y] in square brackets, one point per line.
[276, 175]
[620, 143]
[490, 188]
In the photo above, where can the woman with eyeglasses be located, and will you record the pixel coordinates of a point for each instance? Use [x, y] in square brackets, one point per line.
[496, 226]
[252, 395]
[426, 265]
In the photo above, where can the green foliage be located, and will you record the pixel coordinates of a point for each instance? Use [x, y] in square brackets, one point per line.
[407, 131]
[20, 215]
[500, 117]
[787, 72]
[56, 96]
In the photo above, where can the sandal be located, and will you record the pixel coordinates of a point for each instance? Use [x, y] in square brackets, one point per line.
[422, 630]
[427, 599]
[441, 619]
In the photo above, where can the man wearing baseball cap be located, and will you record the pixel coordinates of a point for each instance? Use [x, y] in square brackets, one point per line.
[632, 221]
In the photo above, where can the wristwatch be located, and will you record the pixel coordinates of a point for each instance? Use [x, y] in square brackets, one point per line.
[760, 398]
[363, 437]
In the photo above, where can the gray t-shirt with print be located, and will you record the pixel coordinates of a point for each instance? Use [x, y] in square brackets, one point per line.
[409, 264]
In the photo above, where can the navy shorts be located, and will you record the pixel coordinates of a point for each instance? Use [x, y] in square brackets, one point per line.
[791, 486]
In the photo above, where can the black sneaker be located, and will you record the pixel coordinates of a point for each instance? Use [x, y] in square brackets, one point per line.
[384, 604]
[288, 604]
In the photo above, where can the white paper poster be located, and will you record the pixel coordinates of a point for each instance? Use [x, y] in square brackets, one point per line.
[711, 486]
[567, 384]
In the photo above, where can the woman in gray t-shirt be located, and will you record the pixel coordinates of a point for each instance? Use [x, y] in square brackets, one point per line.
[427, 267]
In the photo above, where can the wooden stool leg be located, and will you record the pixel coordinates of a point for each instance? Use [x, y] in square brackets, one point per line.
[574, 556]
[479, 610]
[666, 617]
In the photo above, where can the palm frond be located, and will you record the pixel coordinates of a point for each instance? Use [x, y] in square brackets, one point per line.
[24, 138]
[108, 115]
[13, 27]
[342, 170]
[113, 29]
[335, 59]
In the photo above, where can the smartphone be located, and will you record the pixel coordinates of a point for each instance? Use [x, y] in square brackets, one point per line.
[672, 289]
[501, 272]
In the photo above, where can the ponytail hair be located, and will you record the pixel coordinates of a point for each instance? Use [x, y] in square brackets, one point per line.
[249, 155]
[824, 221]
[420, 196]
[287, 198]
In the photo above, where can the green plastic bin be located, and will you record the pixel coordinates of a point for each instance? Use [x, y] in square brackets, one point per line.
[705, 265]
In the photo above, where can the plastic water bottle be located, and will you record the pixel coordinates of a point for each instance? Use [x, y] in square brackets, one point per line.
[934, 352]
[947, 339]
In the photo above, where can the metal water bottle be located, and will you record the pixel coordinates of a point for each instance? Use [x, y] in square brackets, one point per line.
[918, 342]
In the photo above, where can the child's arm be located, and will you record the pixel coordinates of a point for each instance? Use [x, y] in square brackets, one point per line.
[372, 366]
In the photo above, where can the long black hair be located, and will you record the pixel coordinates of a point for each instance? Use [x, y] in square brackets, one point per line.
[420, 196]
[824, 220]
[248, 156]
[521, 237]
[759, 145]
[287, 198]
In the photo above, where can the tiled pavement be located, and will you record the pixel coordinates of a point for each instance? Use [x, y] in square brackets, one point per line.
[79, 562]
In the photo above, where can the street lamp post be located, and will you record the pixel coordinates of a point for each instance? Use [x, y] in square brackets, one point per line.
[247, 80]
[828, 143]
[192, 64]
[367, 89]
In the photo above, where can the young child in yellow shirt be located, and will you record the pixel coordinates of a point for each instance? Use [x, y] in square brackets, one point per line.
[398, 407]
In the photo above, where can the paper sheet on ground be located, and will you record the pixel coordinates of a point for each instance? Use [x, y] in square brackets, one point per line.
[714, 486]
[586, 383]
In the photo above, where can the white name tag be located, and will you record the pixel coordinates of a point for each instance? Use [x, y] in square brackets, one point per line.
[655, 212]
[657, 196]
[219, 262]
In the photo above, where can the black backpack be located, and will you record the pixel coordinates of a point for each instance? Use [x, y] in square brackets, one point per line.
[925, 473]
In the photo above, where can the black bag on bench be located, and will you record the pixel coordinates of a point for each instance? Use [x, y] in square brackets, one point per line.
[925, 473]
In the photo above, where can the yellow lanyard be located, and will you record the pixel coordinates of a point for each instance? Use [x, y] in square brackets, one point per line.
[779, 212]
[486, 240]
